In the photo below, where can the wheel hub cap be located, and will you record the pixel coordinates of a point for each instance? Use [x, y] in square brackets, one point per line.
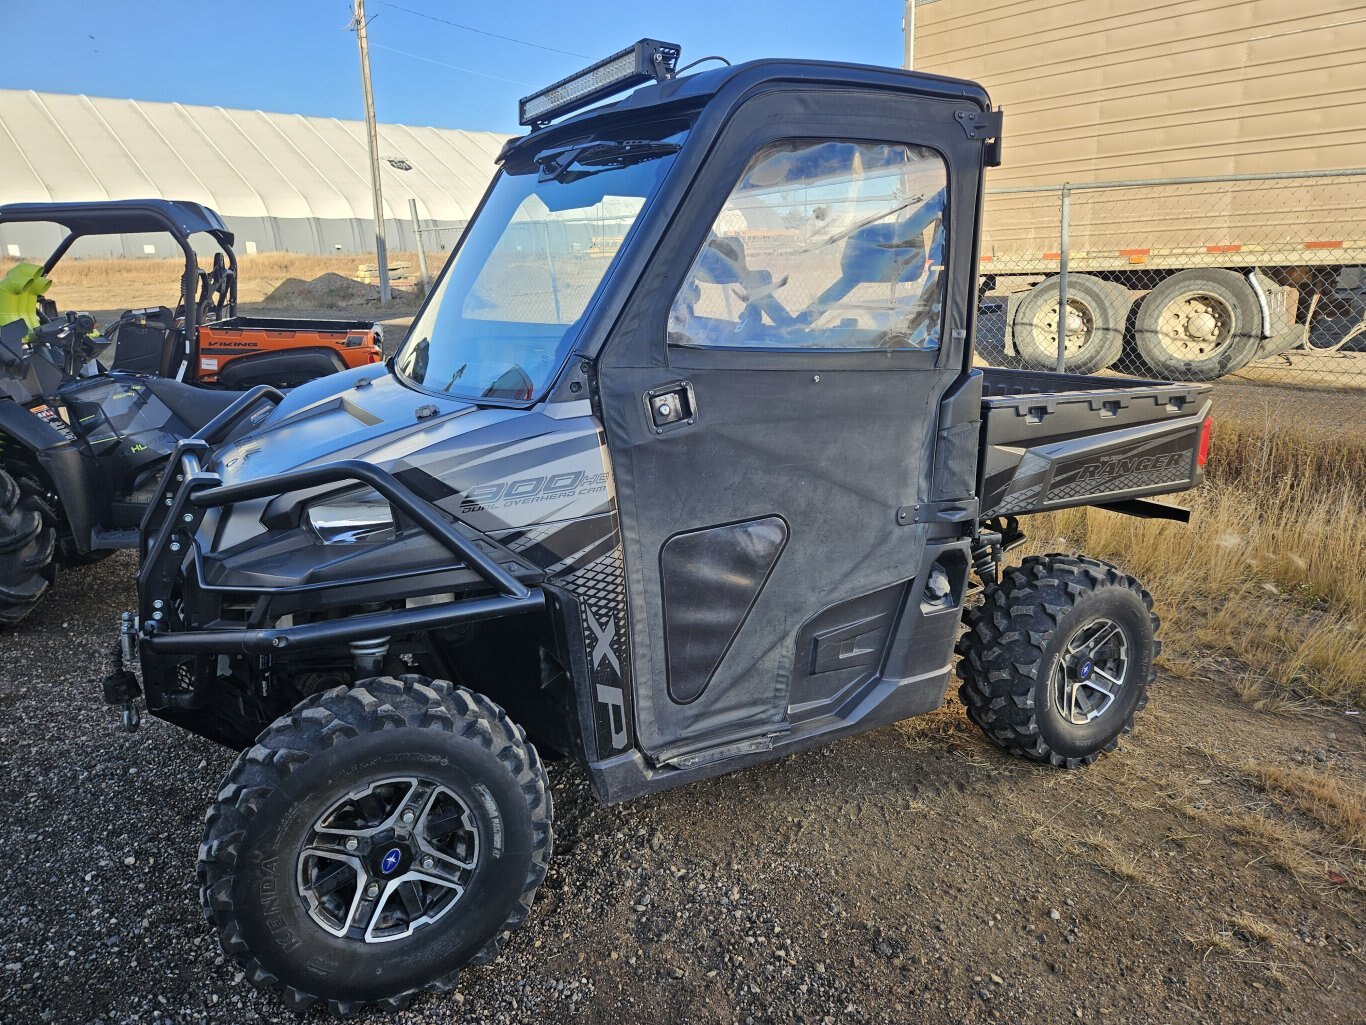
[1078, 320]
[1090, 672]
[1195, 326]
[388, 859]
[389, 864]
[1202, 325]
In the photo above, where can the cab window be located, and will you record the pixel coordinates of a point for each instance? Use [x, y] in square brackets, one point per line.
[822, 245]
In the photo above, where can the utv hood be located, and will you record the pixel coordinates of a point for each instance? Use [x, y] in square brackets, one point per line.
[490, 466]
[358, 414]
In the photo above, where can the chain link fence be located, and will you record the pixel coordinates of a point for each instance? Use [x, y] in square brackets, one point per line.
[434, 246]
[1254, 282]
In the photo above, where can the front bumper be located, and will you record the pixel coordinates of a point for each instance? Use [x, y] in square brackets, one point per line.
[173, 623]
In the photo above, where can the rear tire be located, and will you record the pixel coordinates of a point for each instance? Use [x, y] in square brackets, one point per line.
[374, 841]
[1046, 647]
[1097, 311]
[1198, 325]
[27, 547]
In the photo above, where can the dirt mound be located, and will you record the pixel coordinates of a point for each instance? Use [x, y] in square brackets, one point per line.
[322, 290]
[330, 289]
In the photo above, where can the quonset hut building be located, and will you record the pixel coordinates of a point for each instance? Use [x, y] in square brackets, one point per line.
[283, 182]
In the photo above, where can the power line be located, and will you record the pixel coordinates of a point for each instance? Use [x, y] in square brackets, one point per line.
[480, 31]
[453, 67]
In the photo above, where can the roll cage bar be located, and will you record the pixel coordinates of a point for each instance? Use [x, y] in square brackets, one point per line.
[178, 219]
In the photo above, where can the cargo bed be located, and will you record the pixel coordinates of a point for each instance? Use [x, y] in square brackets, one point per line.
[1050, 440]
[238, 352]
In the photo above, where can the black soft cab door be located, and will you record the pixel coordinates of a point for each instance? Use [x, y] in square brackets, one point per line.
[770, 396]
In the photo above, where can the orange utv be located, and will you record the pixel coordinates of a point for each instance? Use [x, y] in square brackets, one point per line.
[202, 340]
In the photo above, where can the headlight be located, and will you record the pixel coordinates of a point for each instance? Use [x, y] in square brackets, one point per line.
[352, 517]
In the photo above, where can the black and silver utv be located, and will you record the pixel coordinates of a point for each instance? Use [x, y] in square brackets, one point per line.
[89, 416]
[685, 465]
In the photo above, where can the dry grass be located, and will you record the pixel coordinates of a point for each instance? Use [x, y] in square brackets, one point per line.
[1123, 864]
[1306, 822]
[1099, 847]
[1271, 571]
[1333, 801]
[1252, 929]
[116, 284]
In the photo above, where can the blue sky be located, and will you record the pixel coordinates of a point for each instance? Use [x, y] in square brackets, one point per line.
[295, 55]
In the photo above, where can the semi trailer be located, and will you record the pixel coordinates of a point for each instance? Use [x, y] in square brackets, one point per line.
[1234, 239]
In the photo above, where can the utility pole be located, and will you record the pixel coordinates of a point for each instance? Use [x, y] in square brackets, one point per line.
[908, 26]
[381, 249]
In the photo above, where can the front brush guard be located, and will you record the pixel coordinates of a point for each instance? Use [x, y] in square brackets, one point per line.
[188, 491]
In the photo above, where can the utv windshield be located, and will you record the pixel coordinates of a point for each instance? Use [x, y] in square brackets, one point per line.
[507, 311]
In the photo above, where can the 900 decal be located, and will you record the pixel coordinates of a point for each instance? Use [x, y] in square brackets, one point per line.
[533, 489]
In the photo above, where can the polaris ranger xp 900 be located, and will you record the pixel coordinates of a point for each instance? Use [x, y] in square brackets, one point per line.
[685, 465]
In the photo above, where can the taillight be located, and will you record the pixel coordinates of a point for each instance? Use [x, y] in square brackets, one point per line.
[1206, 429]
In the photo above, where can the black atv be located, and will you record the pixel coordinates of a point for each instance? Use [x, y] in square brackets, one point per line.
[88, 418]
[684, 466]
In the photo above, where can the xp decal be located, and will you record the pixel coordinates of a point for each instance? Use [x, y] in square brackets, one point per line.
[600, 588]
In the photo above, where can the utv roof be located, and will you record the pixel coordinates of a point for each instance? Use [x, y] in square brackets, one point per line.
[121, 216]
[695, 89]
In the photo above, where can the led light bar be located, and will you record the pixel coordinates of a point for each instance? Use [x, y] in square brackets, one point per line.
[646, 61]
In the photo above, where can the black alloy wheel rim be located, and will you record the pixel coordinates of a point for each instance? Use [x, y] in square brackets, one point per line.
[388, 859]
[1090, 672]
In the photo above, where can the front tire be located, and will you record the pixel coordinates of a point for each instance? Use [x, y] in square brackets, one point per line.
[27, 547]
[1058, 658]
[374, 841]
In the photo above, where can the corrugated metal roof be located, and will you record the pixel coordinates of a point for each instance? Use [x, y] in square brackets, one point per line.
[243, 163]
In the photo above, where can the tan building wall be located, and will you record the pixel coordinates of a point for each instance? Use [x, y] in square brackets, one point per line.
[1099, 90]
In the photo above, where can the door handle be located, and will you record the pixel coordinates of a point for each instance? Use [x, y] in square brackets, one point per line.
[671, 406]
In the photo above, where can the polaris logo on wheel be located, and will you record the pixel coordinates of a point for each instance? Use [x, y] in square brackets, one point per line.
[391, 860]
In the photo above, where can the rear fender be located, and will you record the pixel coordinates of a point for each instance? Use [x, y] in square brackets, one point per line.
[84, 498]
[1106, 467]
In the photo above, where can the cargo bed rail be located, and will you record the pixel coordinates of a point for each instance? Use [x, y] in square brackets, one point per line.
[1050, 441]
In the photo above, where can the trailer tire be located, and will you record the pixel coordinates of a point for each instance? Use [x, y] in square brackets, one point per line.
[1036, 648]
[1100, 309]
[1199, 325]
[27, 547]
[423, 794]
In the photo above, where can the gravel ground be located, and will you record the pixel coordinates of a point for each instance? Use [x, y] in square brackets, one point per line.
[911, 874]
